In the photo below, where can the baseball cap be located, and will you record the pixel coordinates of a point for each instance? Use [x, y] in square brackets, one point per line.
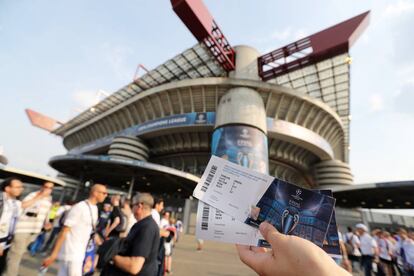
[362, 226]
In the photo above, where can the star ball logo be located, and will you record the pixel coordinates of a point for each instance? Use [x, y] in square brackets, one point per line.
[245, 133]
[297, 195]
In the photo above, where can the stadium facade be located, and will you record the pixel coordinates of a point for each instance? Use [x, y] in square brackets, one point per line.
[285, 113]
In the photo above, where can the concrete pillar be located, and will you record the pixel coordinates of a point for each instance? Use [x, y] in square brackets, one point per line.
[240, 131]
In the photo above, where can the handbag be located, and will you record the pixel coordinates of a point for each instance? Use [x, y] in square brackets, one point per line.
[88, 267]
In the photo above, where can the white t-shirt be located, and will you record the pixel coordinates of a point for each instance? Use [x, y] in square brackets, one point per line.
[131, 221]
[156, 216]
[354, 241]
[34, 224]
[367, 244]
[80, 222]
[164, 223]
[9, 217]
[385, 246]
[408, 246]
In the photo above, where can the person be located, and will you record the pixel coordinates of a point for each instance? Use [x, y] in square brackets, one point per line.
[386, 249]
[180, 228]
[344, 261]
[11, 189]
[57, 226]
[126, 210]
[142, 243]
[103, 220]
[165, 220]
[351, 242]
[169, 244]
[115, 219]
[155, 212]
[34, 218]
[76, 233]
[405, 249]
[200, 244]
[290, 255]
[368, 247]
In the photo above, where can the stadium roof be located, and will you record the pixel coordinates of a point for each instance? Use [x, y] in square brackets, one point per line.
[317, 65]
[116, 172]
[28, 177]
[383, 195]
[196, 62]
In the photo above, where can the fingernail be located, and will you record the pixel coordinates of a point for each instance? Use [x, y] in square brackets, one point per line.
[263, 226]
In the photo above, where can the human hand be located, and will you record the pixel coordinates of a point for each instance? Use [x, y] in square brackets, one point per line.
[290, 255]
[48, 261]
[47, 226]
[1, 250]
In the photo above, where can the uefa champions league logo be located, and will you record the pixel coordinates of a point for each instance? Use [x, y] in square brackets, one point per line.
[245, 133]
[298, 193]
[201, 118]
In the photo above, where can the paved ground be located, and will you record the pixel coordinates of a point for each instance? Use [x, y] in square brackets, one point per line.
[217, 259]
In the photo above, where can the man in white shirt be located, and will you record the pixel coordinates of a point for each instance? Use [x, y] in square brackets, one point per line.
[368, 247]
[158, 207]
[78, 228]
[11, 189]
[36, 207]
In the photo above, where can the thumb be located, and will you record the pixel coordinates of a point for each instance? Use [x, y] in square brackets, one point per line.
[270, 234]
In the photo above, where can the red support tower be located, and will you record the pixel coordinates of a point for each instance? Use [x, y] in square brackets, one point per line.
[199, 21]
[310, 50]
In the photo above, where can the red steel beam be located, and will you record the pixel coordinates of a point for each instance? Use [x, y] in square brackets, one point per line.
[201, 24]
[312, 49]
[42, 121]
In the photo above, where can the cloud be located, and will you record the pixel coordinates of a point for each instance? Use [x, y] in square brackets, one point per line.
[287, 35]
[376, 103]
[399, 8]
[405, 74]
[117, 56]
[85, 98]
[404, 101]
[279, 38]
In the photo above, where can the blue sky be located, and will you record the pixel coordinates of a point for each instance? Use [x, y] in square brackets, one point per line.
[56, 55]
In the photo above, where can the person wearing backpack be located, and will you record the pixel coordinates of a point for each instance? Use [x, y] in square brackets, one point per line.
[352, 247]
[10, 208]
[140, 249]
[72, 247]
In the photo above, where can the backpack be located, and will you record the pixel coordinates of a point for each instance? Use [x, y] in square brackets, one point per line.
[123, 223]
[1, 203]
[63, 217]
[109, 249]
[348, 246]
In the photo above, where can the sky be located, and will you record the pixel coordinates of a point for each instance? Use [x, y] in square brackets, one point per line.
[56, 55]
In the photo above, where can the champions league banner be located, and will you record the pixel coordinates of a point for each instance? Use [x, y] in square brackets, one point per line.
[243, 145]
[188, 119]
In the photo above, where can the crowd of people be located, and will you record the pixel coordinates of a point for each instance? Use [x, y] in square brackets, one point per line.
[118, 236]
[379, 251]
[114, 236]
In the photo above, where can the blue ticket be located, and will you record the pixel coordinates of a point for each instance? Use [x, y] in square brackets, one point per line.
[331, 243]
[294, 210]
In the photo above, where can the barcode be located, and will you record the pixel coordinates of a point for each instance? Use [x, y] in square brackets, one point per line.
[204, 218]
[209, 178]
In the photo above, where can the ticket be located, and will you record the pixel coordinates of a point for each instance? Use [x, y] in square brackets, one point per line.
[252, 197]
[231, 188]
[331, 243]
[214, 225]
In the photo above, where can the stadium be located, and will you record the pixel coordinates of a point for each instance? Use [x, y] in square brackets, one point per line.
[285, 113]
